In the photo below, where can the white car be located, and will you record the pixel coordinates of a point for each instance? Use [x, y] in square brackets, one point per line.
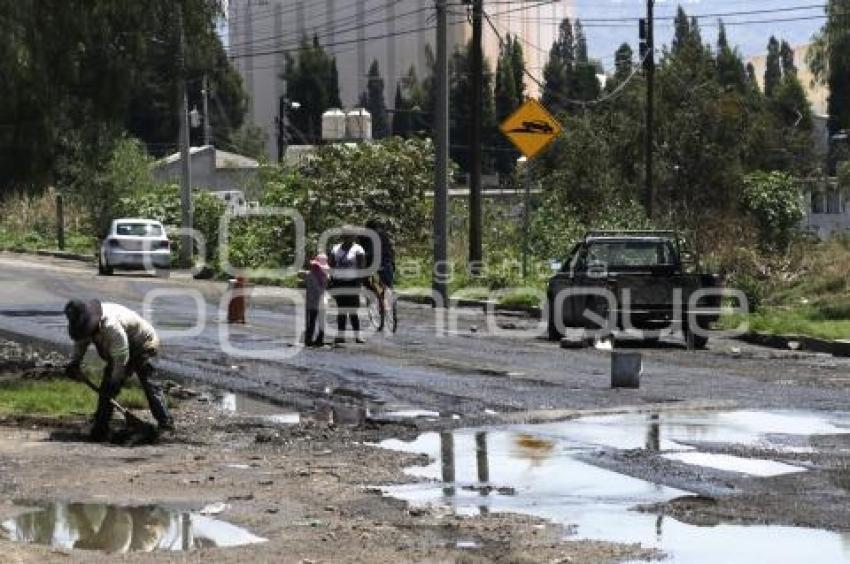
[138, 244]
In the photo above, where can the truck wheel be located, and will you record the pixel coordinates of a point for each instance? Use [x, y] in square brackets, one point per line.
[551, 327]
[699, 341]
[693, 341]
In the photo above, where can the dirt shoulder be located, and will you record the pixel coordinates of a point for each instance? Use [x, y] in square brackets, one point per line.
[309, 488]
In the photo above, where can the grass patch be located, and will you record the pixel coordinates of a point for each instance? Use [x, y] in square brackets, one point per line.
[807, 321]
[471, 293]
[77, 243]
[60, 397]
[521, 297]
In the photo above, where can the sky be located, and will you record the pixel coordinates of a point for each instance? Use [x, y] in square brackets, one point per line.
[751, 39]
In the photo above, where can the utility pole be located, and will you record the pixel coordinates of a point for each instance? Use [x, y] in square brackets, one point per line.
[477, 79]
[281, 128]
[526, 216]
[207, 126]
[441, 169]
[186, 239]
[647, 36]
[60, 222]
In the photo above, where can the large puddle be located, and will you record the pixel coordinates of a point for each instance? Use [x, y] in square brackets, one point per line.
[535, 469]
[121, 529]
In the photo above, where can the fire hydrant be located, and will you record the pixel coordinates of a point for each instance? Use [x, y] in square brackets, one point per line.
[238, 290]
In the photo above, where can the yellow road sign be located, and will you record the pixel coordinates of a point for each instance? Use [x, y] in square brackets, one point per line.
[531, 128]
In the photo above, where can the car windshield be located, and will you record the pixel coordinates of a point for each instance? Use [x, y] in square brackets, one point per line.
[629, 254]
[138, 229]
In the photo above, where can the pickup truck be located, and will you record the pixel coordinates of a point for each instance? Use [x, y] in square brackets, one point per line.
[631, 279]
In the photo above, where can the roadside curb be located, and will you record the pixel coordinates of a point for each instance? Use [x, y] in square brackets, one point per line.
[484, 305]
[835, 348]
[54, 254]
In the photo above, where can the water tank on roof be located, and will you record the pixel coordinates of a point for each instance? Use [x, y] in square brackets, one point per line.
[333, 125]
[358, 124]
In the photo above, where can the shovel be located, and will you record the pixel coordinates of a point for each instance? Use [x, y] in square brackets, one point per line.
[143, 427]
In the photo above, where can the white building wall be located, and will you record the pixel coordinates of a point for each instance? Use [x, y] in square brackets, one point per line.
[260, 30]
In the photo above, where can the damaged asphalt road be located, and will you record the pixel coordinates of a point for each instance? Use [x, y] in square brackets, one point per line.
[474, 378]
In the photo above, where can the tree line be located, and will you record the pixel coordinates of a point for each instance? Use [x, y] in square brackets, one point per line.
[78, 75]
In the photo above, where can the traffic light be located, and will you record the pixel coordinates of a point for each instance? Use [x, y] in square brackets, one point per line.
[643, 47]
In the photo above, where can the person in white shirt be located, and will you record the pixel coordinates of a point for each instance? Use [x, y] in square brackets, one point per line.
[347, 258]
[128, 343]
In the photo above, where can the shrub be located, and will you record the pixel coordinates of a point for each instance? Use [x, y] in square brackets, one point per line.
[773, 200]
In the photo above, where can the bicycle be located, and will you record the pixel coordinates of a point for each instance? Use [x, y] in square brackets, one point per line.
[382, 306]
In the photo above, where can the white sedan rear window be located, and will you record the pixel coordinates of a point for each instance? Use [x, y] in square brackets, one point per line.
[138, 229]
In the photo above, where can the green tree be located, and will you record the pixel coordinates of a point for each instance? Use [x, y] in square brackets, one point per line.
[829, 61]
[585, 85]
[773, 68]
[518, 67]
[730, 67]
[342, 184]
[557, 73]
[623, 64]
[375, 103]
[786, 56]
[682, 31]
[401, 114]
[460, 99]
[417, 103]
[508, 96]
[311, 80]
[75, 71]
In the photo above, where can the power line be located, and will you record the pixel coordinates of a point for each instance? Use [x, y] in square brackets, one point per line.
[632, 19]
[262, 14]
[582, 103]
[328, 27]
[333, 44]
[329, 31]
[707, 24]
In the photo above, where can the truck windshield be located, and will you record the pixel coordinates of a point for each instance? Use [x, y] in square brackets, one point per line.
[629, 254]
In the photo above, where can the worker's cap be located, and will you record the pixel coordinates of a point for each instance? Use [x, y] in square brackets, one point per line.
[83, 318]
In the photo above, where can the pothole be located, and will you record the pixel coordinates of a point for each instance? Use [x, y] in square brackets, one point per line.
[240, 404]
[544, 470]
[120, 529]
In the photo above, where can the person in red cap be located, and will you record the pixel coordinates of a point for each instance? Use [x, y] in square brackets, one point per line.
[317, 285]
[127, 342]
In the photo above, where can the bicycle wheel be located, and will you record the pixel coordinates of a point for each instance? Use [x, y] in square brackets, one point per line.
[374, 307]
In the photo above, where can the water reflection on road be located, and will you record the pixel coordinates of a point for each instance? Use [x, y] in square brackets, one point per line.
[121, 529]
[535, 469]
